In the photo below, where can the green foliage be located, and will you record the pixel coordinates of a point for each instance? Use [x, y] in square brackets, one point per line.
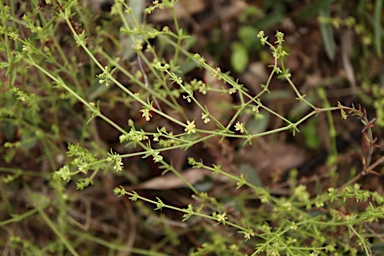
[46, 109]
[310, 134]
[327, 34]
[239, 57]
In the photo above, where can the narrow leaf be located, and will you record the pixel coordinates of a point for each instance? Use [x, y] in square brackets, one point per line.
[327, 34]
[377, 26]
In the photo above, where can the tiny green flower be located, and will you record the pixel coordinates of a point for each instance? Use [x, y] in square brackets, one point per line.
[165, 29]
[189, 213]
[157, 157]
[115, 160]
[188, 98]
[264, 199]
[263, 37]
[26, 48]
[191, 127]
[119, 191]
[240, 127]
[205, 117]
[64, 173]
[330, 248]
[81, 39]
[134, 196]
[301, 193]
[319, 203]
[216, 168]
[199, 58]
[128, 10]
[138, 45]
[83, 183]
[261, 34]
[287, 206]
[146, 114]
[248, 234]
[293, 226]
[159, 204]
[266, 228]
[242, 182]
[280, 37]
[191, 161]
[222, 218]
[161, 67]
[232, 91]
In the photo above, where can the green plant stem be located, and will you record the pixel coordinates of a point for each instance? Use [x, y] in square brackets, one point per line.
[113, 246]
[57, 232]
[232, 224]
[18, 218]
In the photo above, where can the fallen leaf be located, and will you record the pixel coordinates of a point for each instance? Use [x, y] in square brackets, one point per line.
[271, 160]
[172, 181]
[254, 76]
[346, 51]
[183, 8]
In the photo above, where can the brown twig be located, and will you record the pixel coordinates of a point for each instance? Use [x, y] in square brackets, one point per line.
[371, 141]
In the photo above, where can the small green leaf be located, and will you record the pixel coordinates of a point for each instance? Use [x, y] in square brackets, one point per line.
[239, 57]
[4, 65]
[247, 35]
[310, 10]
[310, 133]
[97, 89]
